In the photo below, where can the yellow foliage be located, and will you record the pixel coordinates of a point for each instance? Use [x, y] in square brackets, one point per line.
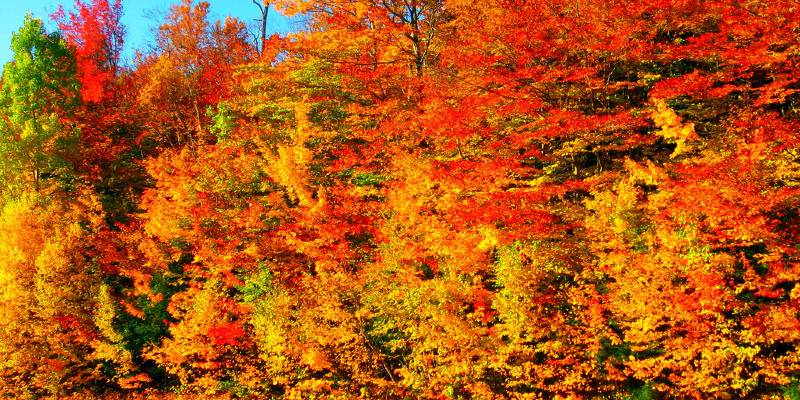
[672, 127]
[111, 346]
[649, 173]
[291, 166]
[45, 286]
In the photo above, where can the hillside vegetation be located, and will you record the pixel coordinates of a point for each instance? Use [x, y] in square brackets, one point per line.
[405, 199]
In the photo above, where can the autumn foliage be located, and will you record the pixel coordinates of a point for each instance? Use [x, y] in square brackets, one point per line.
[426, 199]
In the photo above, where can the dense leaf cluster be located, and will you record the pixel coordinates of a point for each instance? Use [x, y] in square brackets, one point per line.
[431, 199]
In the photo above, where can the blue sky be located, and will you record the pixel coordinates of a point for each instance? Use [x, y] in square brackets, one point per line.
[137, 16]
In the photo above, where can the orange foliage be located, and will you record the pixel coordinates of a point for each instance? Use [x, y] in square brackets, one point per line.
[420, 199]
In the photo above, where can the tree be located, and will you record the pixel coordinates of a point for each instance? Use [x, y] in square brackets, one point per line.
[428, 199]
[39, 91]
[264, 8]
[191, 69]
[47, 298]
[97, 35]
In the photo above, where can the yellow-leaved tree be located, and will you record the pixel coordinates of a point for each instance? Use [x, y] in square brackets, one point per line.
[47, 294]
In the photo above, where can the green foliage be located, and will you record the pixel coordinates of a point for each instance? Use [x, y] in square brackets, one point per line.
[39, 89]
[644, 392]
[368, 179]
[149, 329]
[258, 285]
[224, 121]
[792, 391]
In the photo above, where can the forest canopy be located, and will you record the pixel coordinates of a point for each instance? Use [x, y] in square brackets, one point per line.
[405, 199]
